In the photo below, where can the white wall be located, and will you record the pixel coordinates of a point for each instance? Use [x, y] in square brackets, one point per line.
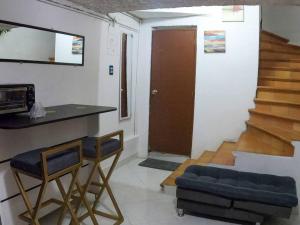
[225, 83]
[282, 20]
[57, 84]
[23, 43]
[110, 55]
[110, 50]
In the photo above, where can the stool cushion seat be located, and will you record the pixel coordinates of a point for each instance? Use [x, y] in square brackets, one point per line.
[30, 162]
[107, 147]
[263, 188]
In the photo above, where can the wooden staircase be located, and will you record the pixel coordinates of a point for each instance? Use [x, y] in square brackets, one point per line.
[275, 121]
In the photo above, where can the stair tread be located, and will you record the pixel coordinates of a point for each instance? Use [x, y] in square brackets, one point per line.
[278, 115]
[224, 155]
[259, 100]
[281, 60]
[289, 50]
[291, 46]
[284, 135]
[275, 36]
[279, 78]
[204, 159]
[250, 143]
[278, 89]
[280, 68]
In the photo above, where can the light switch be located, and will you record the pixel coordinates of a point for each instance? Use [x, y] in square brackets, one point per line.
[111, 70]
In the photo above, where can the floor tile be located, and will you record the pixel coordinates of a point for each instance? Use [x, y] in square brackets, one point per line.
[142, 202]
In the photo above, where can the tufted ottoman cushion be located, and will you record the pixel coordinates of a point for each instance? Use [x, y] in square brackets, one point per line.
[267, 189]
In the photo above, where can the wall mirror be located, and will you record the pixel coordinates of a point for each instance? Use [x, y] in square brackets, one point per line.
[126, 75]
[29, 44]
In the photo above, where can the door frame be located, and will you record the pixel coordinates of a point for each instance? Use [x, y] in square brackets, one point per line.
[179, 27]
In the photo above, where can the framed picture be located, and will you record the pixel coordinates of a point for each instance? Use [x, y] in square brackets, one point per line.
[77, 46]
[214, 41]
[233, 13]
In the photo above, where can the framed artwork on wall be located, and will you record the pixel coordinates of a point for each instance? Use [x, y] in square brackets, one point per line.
[214, 41]
[77, 46]
[233, 13]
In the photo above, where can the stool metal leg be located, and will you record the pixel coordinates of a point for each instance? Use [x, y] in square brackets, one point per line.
[82, 193]
[86, 204]
[39, 199]
[106, 178]
[66, 197]
[25, 198]
[119, 217]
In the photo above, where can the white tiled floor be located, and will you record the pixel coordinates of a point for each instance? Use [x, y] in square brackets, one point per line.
[143, 203]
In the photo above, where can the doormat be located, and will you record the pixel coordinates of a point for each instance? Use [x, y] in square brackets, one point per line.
[160, 164]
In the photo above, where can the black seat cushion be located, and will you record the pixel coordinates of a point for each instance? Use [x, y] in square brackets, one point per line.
[107, 148]
[236, 185]
[31, 161]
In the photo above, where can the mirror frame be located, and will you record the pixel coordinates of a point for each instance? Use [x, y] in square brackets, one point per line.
[49, 30]
[129, 104]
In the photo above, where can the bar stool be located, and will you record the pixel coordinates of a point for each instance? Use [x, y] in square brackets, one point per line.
[46, 165]
[96, 150]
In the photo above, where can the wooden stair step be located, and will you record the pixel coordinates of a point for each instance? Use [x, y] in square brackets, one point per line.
[289, 45]
[278, 48]
[279, 64]
[170, 180]
[283, 79]
[288, 94]
[288, 62]
[267, 59]
[279, 68]
[278, 53]
[285, 122]
[283, 135]
[252, 144]
[204, 159]
[224, 154]
[277, 102]
[287, 108]
[286, 135]
[280, 82]
[278, 73]
[278, 89]
[268, 36]
[276, 115]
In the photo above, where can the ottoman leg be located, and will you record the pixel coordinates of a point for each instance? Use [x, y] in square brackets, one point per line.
[180, 212]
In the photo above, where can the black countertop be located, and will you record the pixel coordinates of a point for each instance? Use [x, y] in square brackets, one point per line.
[54, 114]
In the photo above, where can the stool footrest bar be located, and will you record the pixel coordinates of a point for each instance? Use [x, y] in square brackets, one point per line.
[25, 215]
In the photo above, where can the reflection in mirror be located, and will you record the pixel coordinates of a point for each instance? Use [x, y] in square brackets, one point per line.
[126, 76]
[21, 43]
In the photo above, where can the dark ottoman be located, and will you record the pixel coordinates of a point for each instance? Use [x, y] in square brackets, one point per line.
[235, 195]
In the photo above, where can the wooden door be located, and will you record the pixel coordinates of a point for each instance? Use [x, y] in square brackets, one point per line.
[172, 90]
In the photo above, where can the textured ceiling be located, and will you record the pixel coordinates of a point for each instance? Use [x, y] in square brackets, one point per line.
[107, 6]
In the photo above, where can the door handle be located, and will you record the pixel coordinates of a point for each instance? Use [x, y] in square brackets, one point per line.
[154, 92]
